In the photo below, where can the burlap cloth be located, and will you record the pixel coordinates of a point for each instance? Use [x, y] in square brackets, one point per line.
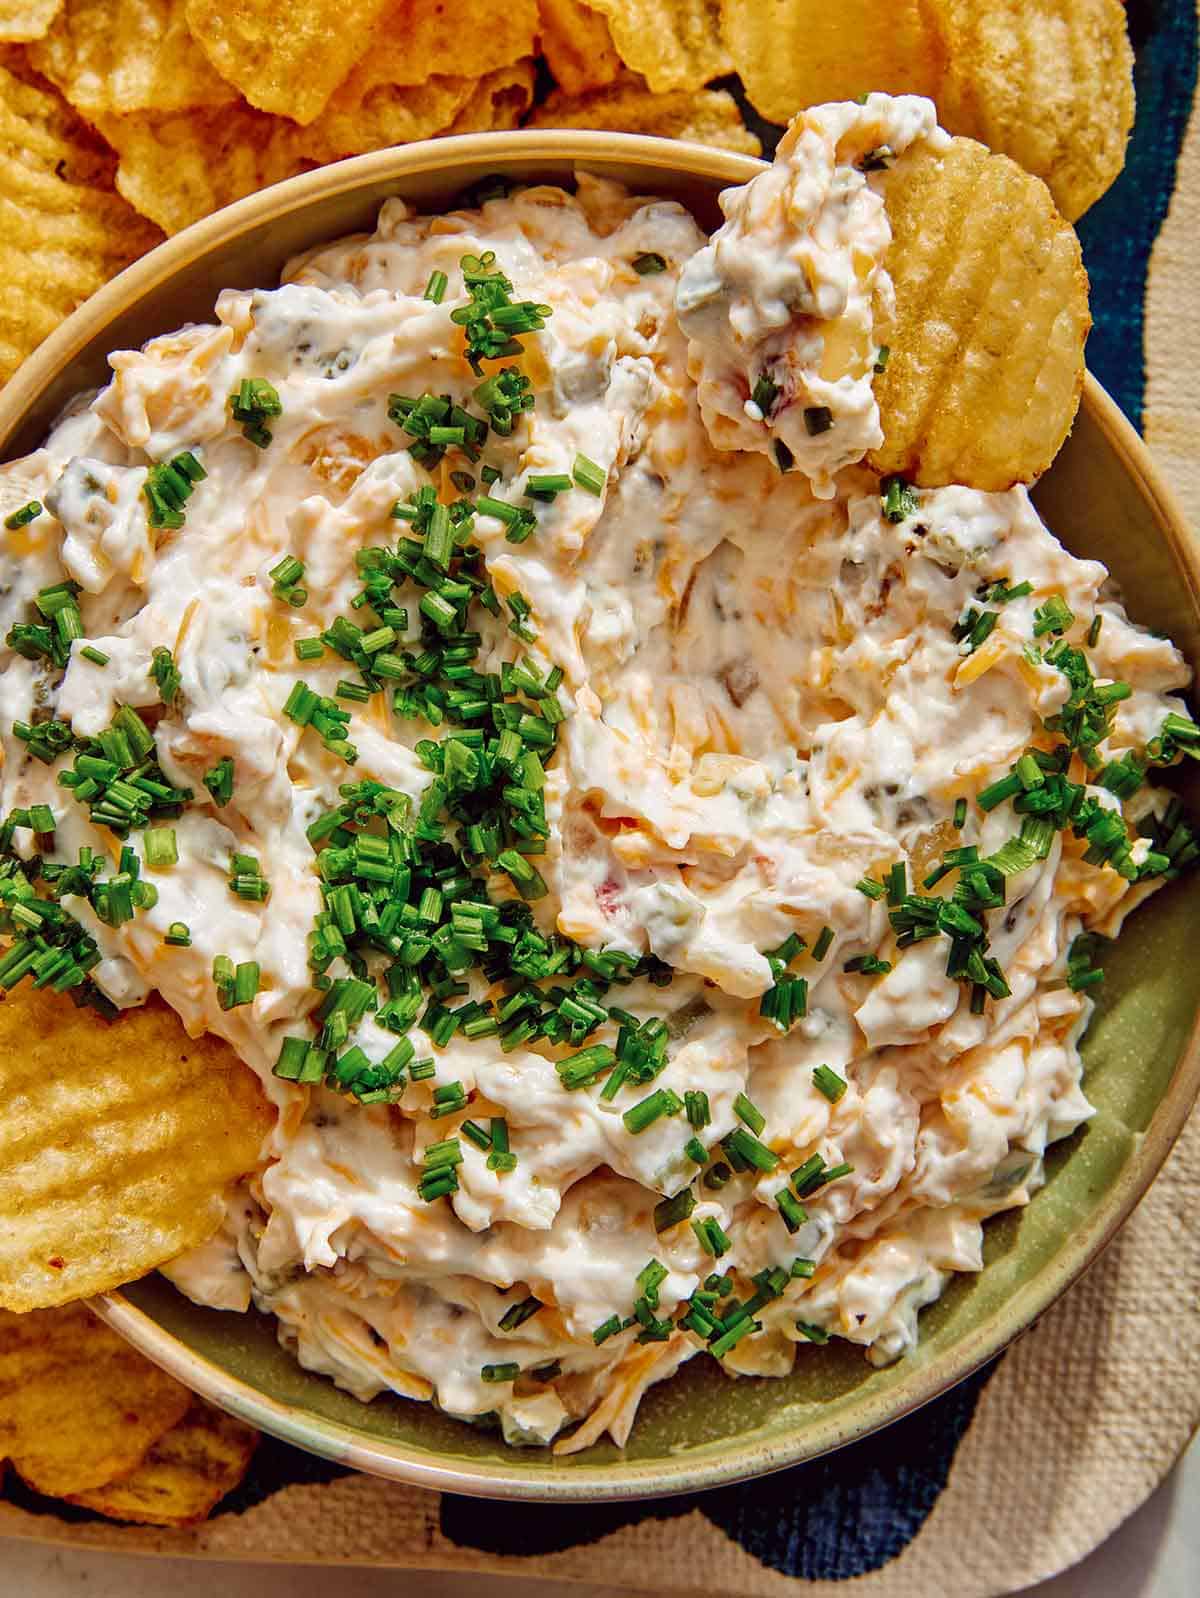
[1075, 1428]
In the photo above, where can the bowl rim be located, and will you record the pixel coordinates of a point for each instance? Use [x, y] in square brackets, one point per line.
[750, 1457]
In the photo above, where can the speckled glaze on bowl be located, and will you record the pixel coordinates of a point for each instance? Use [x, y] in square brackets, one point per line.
[1142, 1055]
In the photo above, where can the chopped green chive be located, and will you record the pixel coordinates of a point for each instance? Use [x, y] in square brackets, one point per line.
[255, 401]
[868, 965]
[219, 781]
[960, 813]
[791, 1211]
[588, 476]
[673, 1210]
[649, 263]
[435, 289]
[96, 656]
[814, 1334]
[23, 517]
[166, 675]
[500, 1373]
[898, 499]
[818, 419]
[168, 487]
[711, 1236]
[517, 1314]
[1054, 617]
[822, 946]
[829, 1082]
[749, 1113]
[870, 888]
[744, 1146]
[160, 847]
[697, 1110]
[662, 1102]
[179, 935]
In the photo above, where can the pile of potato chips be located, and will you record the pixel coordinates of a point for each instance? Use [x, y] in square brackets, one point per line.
[86, 1418]
[121, 118]
[117, 1143]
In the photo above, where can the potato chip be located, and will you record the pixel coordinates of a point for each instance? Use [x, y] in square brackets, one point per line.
[78, 1405]
[706, 116]
[415, 40]
[387, 114]
[117, 1142]
[674, 44]
[499, 100]
[63, 231]
[176, 169]
[286, 58]
[797, 53]
[986, 353]
[27, 19]
[578, 46]
[1049, 82]
[128, 55]
[184, 1475]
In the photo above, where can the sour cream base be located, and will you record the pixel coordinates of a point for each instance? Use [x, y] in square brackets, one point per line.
[764, 703]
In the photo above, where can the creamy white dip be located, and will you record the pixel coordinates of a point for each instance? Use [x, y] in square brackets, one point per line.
[763, 702]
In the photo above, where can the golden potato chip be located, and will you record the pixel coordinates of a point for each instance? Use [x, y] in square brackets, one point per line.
[117, 1143]
[184, 1475]
[63, 231]
[415, 40]
[78, 1405]
[577, 45]
[986, 352]
[706, 116]
[499, 100]
[27, 19]
[387, 114]
[284, 57]
[1049, 82]
[176, 169]
[797, 53]
[128, 55]
[674, 44]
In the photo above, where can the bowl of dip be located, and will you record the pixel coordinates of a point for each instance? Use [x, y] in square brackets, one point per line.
[1141, 1055]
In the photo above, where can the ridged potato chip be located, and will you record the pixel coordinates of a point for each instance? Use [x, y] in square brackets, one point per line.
[289, 57]
[388, 113]
[128, 55]
[706, 116]
[27, 19]
[1049, 82]
[985, 366]
[578, 46]
[117, 1143]
[499, 100]
[176, 169]
[415, 40]
[184, 1475]
[63, 230]
[674, 44]
[796, 53]
[78, 1405]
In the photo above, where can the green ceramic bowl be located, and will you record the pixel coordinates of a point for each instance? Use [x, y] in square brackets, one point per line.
[1142, 1055]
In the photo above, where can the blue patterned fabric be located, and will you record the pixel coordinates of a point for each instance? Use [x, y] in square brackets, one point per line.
[1118, 233]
